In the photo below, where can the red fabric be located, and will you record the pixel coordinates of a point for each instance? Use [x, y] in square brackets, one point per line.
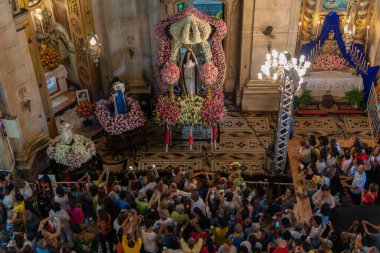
[167, 136]
[214, 133]
[191, 140]
[369, 198]
[281, 250]
[361, 156]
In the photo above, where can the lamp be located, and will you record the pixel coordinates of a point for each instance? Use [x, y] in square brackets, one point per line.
[290, 70]
[93, 47]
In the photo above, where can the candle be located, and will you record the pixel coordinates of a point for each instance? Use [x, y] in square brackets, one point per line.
[319, 22]
[366, 37]
[42, 26]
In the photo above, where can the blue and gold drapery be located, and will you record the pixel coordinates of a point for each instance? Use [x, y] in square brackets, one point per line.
[332, 23]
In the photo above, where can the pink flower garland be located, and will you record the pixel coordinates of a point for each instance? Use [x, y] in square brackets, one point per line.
[208, 73]
[167, 111]
[170, 73]
[213, 112]
[329, 62]
[163, 54]
[213, 73]
[118, 124]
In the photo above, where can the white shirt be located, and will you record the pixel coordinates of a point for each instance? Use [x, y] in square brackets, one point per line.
[64, 201]
[8, 200]
[368, 163]
[27, 191]
[199, 203]
[164, 223]
[359, 181]
[321, 166]
[346, 164]
[149, 241]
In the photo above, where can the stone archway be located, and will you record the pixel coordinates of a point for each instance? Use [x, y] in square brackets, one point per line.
[232, 9]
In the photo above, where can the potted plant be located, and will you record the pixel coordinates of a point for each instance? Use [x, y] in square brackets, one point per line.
[305, 99]
[354, 97]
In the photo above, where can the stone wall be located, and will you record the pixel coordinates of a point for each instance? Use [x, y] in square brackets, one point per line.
[283, 16]
[126, 28]
[19, 84]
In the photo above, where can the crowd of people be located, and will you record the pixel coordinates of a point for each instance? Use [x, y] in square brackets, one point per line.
[331, 171]
[184, 211]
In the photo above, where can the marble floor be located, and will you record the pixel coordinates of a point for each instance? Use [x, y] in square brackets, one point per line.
[244, 137]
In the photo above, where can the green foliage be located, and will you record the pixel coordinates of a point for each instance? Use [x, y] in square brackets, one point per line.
[305, 99]
[355, 97]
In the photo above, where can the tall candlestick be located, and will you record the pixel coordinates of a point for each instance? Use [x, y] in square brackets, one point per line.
[366, 37]
[42, 26]
[319, 22]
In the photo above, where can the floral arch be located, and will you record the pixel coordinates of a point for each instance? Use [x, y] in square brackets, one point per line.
[188, 28]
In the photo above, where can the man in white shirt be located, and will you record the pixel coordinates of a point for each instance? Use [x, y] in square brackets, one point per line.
[8, 198]
[358, 182]
[149, 238]
[196, 201]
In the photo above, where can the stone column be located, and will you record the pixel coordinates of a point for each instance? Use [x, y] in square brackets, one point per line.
[374, 36]
[18, 86]
[283, 16]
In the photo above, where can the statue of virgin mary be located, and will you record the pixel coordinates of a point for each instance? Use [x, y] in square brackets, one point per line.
[189, 74]
[119, 99]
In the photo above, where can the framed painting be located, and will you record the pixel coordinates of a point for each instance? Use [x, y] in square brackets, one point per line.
[334, 5]
[82, 96]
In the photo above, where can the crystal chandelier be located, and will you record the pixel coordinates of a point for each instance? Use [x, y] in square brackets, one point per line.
[276, 63]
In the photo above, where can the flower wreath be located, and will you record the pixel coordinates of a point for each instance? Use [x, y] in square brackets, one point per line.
[79, 151]
[120, 123]
[216, 38]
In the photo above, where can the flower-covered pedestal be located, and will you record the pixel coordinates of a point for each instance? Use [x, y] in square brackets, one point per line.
[73, 154]
[194, 106]
[116, 125]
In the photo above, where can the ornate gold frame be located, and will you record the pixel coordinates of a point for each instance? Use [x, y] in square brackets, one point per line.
[25, 4]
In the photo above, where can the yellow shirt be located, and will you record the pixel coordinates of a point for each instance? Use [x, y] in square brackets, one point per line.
[220, 235]
[20, 208]
[135, 249]
[196, 249]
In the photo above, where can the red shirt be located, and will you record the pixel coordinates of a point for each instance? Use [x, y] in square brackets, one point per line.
[281, 250]
[369, 198]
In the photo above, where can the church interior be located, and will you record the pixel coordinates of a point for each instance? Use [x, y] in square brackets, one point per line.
[282, 94]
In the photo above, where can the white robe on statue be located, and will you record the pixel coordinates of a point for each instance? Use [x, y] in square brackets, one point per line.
[189, 73]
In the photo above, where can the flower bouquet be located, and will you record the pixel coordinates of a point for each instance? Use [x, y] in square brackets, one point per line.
[120, 123]
[191, 110]
[170, 73]
[213, 113]
[167, 111]
[329, 62]
[208, 73]
[49, 56]
[74, 154]
[85, 109]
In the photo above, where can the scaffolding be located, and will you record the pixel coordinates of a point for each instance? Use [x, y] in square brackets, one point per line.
[284, 120]
[373, 114]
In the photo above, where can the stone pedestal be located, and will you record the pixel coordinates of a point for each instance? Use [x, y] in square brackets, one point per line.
[138, 88]
[60, 73]
[260, 96]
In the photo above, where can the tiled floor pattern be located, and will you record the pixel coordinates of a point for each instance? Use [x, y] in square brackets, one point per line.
[238, 140]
